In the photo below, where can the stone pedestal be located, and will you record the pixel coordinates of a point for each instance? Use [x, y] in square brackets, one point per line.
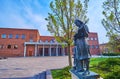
[79, 75]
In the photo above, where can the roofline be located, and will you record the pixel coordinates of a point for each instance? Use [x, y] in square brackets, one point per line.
[93, 32]
[46, 36]
[103, 44]
[19, 28]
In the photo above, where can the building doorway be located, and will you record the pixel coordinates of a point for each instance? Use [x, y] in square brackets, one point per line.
[40, 53]
[46, 52]
[59, 51]
[30, 53]
[53, 51]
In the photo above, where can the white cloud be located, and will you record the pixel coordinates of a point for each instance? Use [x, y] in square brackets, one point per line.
[23, 15]
[36, 19]
[14, 21]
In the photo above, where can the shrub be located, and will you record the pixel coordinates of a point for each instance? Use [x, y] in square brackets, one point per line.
[111, 54]
[108, 69]
[115, 74]
[62, 73]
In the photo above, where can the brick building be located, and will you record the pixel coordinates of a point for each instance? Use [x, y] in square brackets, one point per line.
[28, 42]
[93, 43]
[104, 48]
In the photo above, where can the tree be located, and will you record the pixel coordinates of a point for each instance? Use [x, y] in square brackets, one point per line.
[61, 20]
[111, 22]
[111, 11]
[114, 43]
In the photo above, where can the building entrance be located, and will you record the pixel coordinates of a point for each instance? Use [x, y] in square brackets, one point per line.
[30, 53]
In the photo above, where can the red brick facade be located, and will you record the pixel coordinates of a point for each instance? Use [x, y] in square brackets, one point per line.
[12, 43]
[93, 43]
[16, 40]
[47, 38]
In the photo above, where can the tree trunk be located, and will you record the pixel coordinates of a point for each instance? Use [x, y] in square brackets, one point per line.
[69, 56]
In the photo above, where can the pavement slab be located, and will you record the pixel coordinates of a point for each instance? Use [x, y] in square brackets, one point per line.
[28, 67]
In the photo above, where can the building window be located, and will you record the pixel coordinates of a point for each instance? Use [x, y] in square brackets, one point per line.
[10, 36]
[88, 46]
[23, 36]
[52, 41]
[91, 38]
[31, 36]
[9, 46]
[1, 46]
[40, 41]
[92, 46]
[31, 40]
[15, 46]
[97, 47]
[46, 41]
[17, 36]
[3, 35]
[95, 38]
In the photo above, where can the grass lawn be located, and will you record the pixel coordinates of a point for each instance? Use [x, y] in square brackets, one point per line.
[95, 61]
[64, 73]
[61, 73]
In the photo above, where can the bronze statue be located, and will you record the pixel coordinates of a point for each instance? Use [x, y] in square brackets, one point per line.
[81, 49]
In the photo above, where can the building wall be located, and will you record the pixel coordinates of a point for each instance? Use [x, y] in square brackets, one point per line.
[93, 43]
[47, 38]
[5, 51]
[34, 35]
[103, 48]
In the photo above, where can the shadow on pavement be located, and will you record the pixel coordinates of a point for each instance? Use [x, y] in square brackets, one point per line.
[41, 75]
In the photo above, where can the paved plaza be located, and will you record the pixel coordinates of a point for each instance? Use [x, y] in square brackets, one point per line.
[15, 68]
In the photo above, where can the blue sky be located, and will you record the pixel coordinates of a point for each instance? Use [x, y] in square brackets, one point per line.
[31, 13]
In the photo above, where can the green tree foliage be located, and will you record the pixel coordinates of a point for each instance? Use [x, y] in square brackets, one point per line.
[114, 43]
[111, 11]
[61, 19]
[111, 21]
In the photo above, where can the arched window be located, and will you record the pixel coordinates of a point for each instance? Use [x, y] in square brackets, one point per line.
[31, 40]
[9, 46]
[40, 41]
[52, 41]
[1, 46]
[46, 41]
[15, 46]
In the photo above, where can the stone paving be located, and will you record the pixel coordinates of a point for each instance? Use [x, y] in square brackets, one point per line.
[15, 68]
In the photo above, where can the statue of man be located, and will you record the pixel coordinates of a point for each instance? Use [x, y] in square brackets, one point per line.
[81, 53]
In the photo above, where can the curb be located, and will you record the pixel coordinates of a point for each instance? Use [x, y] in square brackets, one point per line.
[48, 74]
